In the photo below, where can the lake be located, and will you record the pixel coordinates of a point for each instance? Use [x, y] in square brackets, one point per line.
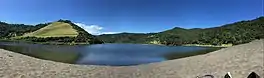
[105, 54]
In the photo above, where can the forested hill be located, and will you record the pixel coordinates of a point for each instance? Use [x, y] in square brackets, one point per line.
[126, 37]
[58, 32]
[234, 33]
[12, 30]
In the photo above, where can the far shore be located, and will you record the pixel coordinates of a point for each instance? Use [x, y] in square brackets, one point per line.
[62, 43]
[198, 45]
[46, 43]
[202, 45]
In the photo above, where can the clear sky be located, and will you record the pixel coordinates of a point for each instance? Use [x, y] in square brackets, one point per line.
[106, 16]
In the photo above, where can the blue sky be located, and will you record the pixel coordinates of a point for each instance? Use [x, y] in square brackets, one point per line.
[108, 16]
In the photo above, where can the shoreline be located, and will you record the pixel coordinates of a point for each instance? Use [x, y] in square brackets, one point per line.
[44, 43]
[62, 43]
[201, 45]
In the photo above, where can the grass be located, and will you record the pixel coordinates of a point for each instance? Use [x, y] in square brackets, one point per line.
[56, 29]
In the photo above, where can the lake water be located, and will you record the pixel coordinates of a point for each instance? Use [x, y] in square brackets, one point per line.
[100, 54]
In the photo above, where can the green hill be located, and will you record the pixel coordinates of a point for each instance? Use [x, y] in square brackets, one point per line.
[234, 33]
[55, 29]
[59, 32]
[126, 37]
[12, 30]
[64, 31]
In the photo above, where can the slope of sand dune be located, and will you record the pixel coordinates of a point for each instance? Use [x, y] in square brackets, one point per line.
[240, 60]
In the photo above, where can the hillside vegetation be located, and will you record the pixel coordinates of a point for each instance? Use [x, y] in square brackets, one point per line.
[67, 32]
[126, 37]
[55, 29]
[12, 30]
[59, 32]
[234, 33]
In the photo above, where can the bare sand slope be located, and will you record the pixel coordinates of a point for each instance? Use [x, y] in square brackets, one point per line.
[240, 60]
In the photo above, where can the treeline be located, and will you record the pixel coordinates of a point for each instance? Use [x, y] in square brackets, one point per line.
[126, 37]
[59, 40]
[177, 36]
[235, 33]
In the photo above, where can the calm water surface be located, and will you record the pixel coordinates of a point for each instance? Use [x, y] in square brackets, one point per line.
[99, 54]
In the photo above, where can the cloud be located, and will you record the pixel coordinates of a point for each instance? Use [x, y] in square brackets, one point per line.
[93, 29]
[110, 32]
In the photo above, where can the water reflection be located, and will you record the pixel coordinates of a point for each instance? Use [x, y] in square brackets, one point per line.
[100, 54]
